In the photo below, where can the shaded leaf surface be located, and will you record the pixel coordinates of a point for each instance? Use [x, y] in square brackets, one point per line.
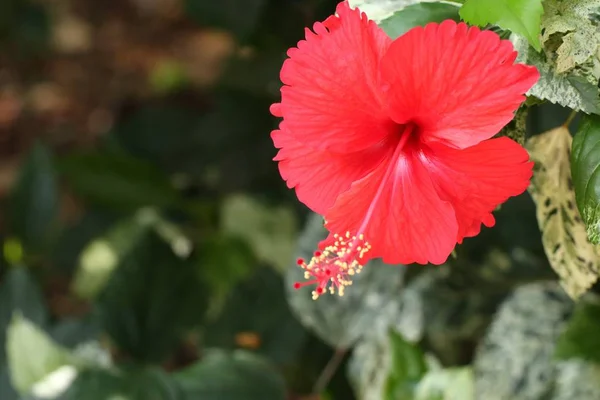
[418, 14]
[151, 299]
[19, 293]
[340, 321]
[34, 200]
[231, 376]
[117, 180]
[257, 308]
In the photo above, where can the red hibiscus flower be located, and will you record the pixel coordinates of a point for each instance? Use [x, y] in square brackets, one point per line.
[391, 140]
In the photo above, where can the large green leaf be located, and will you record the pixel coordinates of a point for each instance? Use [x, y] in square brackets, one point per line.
[32, 355]
[581, 339]
[34, 200]
[19, 293]
[239, 375]
[93, 384]
[257, 308]
[342, 320]
[224, 261]
[519, 16]
[101, 256]
[585, 168]
[149, 384]
[134, 383]
[408, 367]
[418, 14]
[151, 299]
[118, 180]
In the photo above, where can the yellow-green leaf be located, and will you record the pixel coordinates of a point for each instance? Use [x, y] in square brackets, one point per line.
[564, 236]
[522, 17]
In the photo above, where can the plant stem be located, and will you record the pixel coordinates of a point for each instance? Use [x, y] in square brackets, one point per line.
[570, 119]
[329, 370]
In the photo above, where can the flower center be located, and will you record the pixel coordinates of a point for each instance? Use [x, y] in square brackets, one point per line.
[331, 269]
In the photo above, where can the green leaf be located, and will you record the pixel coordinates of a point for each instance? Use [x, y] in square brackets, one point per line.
[341, 320]
[585, 167]
[581, 339]
[95, 384]
[408, 367]
[378, 10]
[257, 309]
[567, 89]
[151, 299]
[134, 383]
[32, 355]
[238, 375]
[101, 256]
[522, 17]
[19, 293]
[418, 14]
[224, 261]
[118, 180]
[76, 237]
[34, 200]
[447, 384]
[269, 231]
[72, 332]
[150, 384]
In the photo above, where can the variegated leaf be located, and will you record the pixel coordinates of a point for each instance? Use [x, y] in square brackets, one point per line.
[564, 236]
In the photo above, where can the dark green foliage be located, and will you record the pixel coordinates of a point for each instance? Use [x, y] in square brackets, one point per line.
[152, 298]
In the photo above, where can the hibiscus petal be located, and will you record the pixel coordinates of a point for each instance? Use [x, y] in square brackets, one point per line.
[478, 179]
[459, 84]
[330, 98]
[399, 212]
[320, 176]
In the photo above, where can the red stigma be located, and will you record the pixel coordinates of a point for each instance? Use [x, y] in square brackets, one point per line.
[331, 270]
[300, 261]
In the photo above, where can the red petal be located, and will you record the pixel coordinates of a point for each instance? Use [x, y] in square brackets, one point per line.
[399, 212]
[320, 176]
[459, 85]
[331, 99]
[478, 179]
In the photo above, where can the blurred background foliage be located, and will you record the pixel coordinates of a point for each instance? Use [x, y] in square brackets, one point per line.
[148, 239]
